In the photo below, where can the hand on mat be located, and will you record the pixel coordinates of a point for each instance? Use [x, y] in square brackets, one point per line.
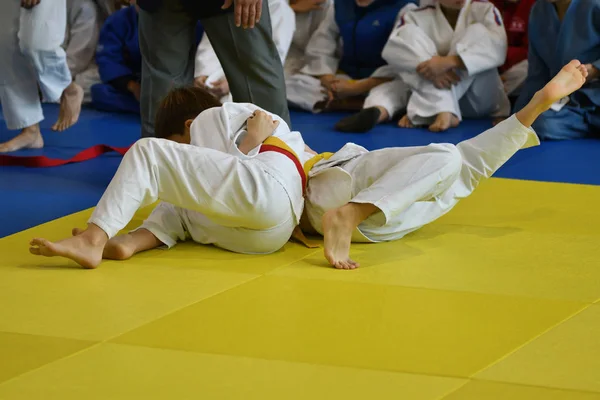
[219, 88]
[200, 81]
[446, 80]
[29, 3]
[247, 12]
[135, 88]
[593, 73]
[434, 67]
[304, 6]
[261, 125]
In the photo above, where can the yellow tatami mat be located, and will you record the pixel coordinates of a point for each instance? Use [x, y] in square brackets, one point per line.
[497, 300]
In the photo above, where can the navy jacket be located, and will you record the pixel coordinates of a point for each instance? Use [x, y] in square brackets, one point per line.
[364, 32]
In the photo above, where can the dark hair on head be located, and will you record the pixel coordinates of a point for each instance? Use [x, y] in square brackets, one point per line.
[178, 106]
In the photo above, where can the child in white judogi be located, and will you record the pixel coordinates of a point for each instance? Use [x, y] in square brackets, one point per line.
[447, 54]
[218, 182]
[309, 15]
[208, 72]
[31, 34]
[360, 196]
[343, 62]
[81, 40]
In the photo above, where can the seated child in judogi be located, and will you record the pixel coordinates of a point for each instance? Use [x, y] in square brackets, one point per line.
[515, 14]
[343, 57]
[360, 196]
[81, 40]
[447, 55]
[120, 63]
[218, 182]
[208, 72]
[558, 32]
[309, 15]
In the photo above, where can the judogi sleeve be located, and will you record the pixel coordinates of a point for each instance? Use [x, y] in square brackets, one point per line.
[484, 44]
[409, 45]
[322, 51]
[83, 35]
[110, 55]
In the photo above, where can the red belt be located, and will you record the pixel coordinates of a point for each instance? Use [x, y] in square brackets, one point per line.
[43, 161]
[291, 156]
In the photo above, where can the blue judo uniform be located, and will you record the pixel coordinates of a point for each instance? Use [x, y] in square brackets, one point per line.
[120, 61]
[552, 44]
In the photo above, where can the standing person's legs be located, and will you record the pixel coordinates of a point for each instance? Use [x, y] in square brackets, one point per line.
[41, 34]
[18, 85]
[250, 61]
[168, 46]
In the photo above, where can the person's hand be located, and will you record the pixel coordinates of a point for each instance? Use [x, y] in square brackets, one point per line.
[135, 88]
[434, 67]
[446, 80]
[219, 88]
[200, 81]
[593, 73]
[327, 81]
[304, 6]
[28, 4]
[260, 126]
[343, 88]
[247, 12]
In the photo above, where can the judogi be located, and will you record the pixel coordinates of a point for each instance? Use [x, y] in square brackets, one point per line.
[348, 43]
[412, 186]
[119, 62]
[41, 35]
[553, 43]
[211, 192]
[283, 23]
[479, 39]
[81, 40]
[306, 25]
[18, 81]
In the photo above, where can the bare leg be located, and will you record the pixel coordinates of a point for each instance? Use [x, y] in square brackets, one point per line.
[85, 249]
[338, 225]
[123, 247]
[568, 80]
[404, 122]
[443, 122]
[29, 138]
[70, 107]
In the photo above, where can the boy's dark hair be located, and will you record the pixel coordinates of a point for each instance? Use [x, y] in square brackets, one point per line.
[178, 106]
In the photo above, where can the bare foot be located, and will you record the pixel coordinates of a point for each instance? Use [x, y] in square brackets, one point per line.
[85, 248]
[568, 80]
[337, 232]
[29, 138]
[405, 122]
[117, 248]
[70, 107]
[443, 122]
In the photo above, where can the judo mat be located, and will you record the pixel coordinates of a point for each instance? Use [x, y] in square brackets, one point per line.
[499, 299]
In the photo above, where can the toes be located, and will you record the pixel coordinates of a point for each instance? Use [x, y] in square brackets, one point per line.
[35, 251]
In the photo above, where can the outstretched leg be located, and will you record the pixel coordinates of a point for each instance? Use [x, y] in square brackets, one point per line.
[123, 247]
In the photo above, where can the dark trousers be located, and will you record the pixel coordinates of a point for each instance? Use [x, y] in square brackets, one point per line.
[248, 56]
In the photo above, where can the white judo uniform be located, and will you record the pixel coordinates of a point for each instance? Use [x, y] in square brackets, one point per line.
[412, 186]
[211, 192]
[306, 24]
[30, 53]
[81, 40]
[479, 38]
[283, 24]
[322, 57]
